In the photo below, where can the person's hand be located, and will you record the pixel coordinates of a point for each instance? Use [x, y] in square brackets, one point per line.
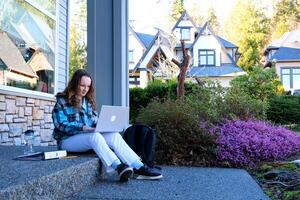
[87, 128]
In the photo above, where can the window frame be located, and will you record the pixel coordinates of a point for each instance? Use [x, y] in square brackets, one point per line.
[185, 28]
[15, 91]
[207, 55]
[291, 74]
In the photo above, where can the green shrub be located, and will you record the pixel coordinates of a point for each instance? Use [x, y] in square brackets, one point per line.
[22, 84]
[155, 90]
[284, 109]
[180, 139]
[214, 104]
[259, 83]
[207, 101]
[138, 99]
[238, 105]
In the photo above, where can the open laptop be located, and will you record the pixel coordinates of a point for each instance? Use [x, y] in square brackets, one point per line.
[112, 119]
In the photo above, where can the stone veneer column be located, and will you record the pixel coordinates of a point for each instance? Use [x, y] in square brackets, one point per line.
[17, 114]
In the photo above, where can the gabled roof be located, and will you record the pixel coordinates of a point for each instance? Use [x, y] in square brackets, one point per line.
[287, 54]
[152, 49]
[2, 64]
[226, 43]
[146, 39]
[287, 48]
[41, 61]
[12, 57]
[181, 17]
[288, 39]
[136, 36]
[207, 30]
[227, 70]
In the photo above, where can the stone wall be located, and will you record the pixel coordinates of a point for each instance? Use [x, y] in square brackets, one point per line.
[18, 114]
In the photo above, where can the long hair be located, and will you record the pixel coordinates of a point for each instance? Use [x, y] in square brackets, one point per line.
[71, 90]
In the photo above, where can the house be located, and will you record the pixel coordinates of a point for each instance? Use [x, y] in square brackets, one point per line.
[184, 29]
[157, 60]
[285, 54]
[138, 43]
[213, 57]
[16, 70]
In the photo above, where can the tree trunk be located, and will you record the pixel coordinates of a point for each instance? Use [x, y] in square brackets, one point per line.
[183, 66]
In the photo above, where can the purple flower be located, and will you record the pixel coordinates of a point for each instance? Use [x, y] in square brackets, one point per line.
[246, 143]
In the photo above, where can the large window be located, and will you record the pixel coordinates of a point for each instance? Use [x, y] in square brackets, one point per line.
[27, 44]
[290, 78]
[185, 33]
[206, 57]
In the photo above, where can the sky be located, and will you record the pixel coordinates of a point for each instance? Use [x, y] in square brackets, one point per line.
[155, 13]
[145, 15]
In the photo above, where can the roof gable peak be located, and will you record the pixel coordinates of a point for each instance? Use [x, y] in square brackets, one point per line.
[184, 16]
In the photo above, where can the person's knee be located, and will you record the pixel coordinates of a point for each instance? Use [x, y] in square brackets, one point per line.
[116, 136]
[96, 138]
[114, 139]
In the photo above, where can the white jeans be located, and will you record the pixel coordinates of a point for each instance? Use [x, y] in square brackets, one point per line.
[102, 143]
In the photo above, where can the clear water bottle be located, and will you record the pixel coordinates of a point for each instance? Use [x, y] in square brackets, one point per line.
[29, 138]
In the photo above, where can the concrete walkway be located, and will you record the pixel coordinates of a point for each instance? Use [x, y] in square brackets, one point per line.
[182, 183]
[80, 178]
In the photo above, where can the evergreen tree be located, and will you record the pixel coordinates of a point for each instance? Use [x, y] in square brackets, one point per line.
[248, 27]
[286, 17]
[177, 10]
[194, 13]
[213, 20]
[78, 31]
[78, 56]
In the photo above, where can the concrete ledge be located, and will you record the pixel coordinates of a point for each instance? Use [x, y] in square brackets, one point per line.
[52, 179]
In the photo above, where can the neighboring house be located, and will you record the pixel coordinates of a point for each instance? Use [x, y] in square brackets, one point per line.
[137, 45]
[184, 29]
[157, 60]
[43, 64]
[285, 54]
[16, 69]
[213, 57]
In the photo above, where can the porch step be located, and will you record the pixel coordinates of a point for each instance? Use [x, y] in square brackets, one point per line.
[51, 179]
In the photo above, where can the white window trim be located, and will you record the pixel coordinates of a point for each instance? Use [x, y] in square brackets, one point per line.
[14, 91]
[291, 74]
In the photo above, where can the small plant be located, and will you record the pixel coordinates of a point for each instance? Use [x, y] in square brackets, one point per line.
[247, 143]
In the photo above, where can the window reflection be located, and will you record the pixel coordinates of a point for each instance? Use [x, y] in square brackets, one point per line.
[27, 41]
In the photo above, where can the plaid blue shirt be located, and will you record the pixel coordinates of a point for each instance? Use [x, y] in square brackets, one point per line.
[69, 120]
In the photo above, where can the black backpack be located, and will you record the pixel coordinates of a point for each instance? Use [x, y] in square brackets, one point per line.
[142, 138]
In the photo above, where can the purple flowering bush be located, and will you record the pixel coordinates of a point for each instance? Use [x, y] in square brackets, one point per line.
[246, 143]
